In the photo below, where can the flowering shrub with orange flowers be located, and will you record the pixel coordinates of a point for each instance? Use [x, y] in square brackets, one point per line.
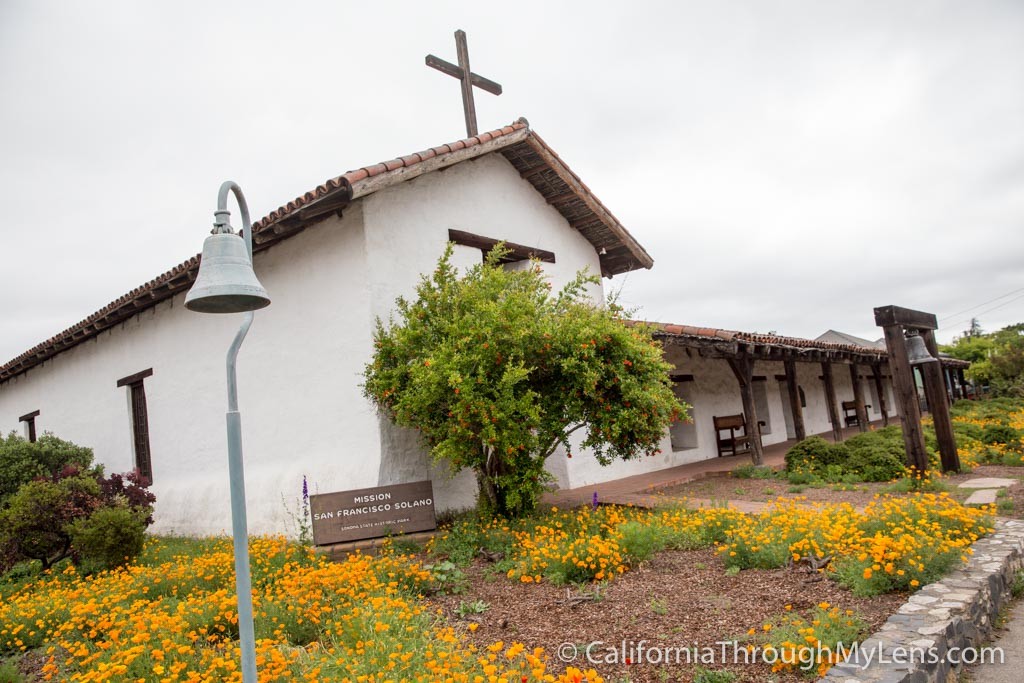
[593, 543]
[172, 618]
[896, 543]
[811, 643]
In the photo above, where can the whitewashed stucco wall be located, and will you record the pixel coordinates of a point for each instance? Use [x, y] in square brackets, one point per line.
[298, 388]
[487, 197]
[300, 368]
[716, 393]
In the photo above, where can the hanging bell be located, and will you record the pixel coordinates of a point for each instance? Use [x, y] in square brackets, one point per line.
[226, 282]
[917, 352]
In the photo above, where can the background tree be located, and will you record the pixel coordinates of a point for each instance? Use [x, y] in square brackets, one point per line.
[997, 358]
[497, 371]
[974, 330]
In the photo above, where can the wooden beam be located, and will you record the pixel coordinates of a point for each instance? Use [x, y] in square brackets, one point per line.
[517, 252]
[29, 416]
[743, 367]
[858, 398]
[554, 199]
[963, 381]
[794, 400]
[456, 72]
[830, 400]
[680, 378]
[134, 379]
[331, 203]
[466, 82]
[906, 398]
[938, 402]
[886, 316]
[574, 184]
[876, 371]
[378, 182]
[529, 173]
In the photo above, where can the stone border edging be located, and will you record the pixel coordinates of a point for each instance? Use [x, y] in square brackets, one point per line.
[955, 612]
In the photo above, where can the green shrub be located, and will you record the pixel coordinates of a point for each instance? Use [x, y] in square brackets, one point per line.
[967, 430]
[466, 535]
[109, 537]
[876, 463]
[639, 540]
[702, 675]
[9, 673]
[803, 478]
[21, 461]
[1012, 460]
[34, 524]
[752, 471]
[815, 453]
[1004, 434]
[48, 517]
[871, 456]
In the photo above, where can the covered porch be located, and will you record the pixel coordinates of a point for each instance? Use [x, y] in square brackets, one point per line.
[639, 489]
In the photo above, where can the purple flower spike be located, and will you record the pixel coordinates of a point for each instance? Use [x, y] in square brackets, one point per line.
[594, 501]
[305, 490]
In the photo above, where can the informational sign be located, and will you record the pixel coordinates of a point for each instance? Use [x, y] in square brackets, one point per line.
[372, 513]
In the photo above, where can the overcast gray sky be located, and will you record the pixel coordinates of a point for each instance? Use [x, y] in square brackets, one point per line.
[789, 165]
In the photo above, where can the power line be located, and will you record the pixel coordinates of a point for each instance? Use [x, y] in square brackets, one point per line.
[984, 303]
[994, 308]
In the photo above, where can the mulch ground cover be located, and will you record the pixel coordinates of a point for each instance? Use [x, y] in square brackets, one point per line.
[676, 599]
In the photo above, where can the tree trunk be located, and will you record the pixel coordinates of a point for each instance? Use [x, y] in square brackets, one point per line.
[485, 481]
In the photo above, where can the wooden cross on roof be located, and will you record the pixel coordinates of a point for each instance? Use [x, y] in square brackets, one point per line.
[468, 78]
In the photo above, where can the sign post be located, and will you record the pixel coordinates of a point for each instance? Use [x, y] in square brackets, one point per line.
[372, 513]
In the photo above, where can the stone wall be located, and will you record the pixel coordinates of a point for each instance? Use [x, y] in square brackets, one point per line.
[949, 615]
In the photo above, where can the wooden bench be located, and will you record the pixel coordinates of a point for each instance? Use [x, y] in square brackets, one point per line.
[850, 413]
[733, 444]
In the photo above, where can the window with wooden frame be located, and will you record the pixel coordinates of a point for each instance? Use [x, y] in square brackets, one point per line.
[139, 417]
[29, 422]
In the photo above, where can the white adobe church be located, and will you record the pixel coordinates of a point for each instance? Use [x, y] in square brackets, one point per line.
[137, 381]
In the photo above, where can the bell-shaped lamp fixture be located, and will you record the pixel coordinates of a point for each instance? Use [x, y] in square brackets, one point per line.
[226, 282]
[917, 352]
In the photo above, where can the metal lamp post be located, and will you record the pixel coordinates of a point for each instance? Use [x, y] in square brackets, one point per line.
[227, 284]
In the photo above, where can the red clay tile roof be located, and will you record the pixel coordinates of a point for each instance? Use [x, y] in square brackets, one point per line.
[866, 354]
[536, 162]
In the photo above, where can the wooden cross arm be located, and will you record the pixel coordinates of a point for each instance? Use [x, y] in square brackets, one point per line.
[456, 72]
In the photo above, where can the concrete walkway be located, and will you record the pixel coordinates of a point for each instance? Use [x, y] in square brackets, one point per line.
[1012, 643]
[641, 489]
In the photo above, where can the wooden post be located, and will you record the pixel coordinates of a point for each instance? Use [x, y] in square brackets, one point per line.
[938, 401]
[794, 400]
[858, 397]
[743, 367]
[876, 370]
[963, 381]
[830, 400]
[906, 397]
